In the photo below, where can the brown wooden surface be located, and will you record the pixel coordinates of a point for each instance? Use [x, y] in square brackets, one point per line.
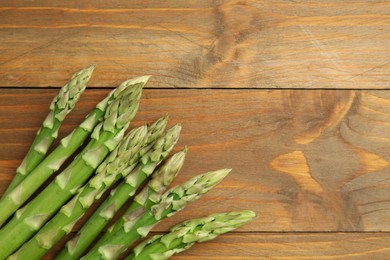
[293, 246]
[303, 160]
[289, 246]
[310, 162]
[207, 43]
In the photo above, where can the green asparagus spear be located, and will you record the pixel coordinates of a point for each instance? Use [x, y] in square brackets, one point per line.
[95, 224]
[11, 202]
[105, 137]
[118, 163]
[60, 107]
[183, 236]
[140, 218]
[162, 178]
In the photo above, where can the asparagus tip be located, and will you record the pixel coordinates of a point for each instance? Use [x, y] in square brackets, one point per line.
[178, 158]
[130, 82]
[173, 134]
[157, 128]
[194, 230]
[176, 128]
[137, 134]
[220, 174]
[86, 73]
[160, 123]
[137, 80]
[91, 67]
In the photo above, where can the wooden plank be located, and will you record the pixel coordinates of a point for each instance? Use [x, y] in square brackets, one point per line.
[292, 246]
[303, 160]
[201, 44]
[289, 246]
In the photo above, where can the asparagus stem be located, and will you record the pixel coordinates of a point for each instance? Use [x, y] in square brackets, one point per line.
[183, 236]
[118, 163]
[105, 138]
[95, 224]
[140, 218]
[60, 107]
[11, 202]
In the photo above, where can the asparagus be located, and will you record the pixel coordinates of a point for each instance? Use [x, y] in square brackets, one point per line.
[95, 224]
[183, 236]
[60, 107]
[118, 163]
[144, 213]
[105, 137]
[11, 202]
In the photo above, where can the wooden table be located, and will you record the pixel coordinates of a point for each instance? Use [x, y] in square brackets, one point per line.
[293, 95]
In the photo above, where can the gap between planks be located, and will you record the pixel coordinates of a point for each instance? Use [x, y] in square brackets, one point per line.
[183, 88]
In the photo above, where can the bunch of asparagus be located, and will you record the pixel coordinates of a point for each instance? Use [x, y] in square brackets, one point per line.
[109, 157]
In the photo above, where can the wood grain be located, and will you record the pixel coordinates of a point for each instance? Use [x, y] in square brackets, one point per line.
[303, 160]
[202, 44]
[293, 246]
[289, 246]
